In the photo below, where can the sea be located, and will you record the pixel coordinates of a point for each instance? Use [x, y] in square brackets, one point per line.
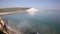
[43, 22]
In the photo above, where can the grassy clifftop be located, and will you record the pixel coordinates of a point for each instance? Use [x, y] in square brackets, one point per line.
[13, 9]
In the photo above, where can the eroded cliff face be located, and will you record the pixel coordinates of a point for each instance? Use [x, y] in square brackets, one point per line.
[5, 28]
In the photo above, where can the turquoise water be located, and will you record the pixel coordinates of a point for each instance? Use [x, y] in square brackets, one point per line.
[44, 22]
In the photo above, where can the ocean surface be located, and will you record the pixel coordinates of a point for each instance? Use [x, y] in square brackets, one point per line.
[43, 22]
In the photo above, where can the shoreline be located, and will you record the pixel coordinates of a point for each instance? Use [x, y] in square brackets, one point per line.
[7, 13]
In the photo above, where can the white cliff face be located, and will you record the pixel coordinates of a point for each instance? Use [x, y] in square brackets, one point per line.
[32, 11]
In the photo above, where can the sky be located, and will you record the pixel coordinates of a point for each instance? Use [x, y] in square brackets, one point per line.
[40, 4]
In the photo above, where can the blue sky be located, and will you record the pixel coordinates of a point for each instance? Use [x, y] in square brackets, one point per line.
[41, 4]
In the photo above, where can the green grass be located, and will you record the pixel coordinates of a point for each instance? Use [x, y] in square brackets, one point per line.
[13, 9]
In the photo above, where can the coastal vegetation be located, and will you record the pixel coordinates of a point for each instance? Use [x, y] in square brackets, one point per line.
[12, 9]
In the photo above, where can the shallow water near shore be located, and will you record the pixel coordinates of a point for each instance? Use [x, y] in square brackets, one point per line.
[44, 22]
